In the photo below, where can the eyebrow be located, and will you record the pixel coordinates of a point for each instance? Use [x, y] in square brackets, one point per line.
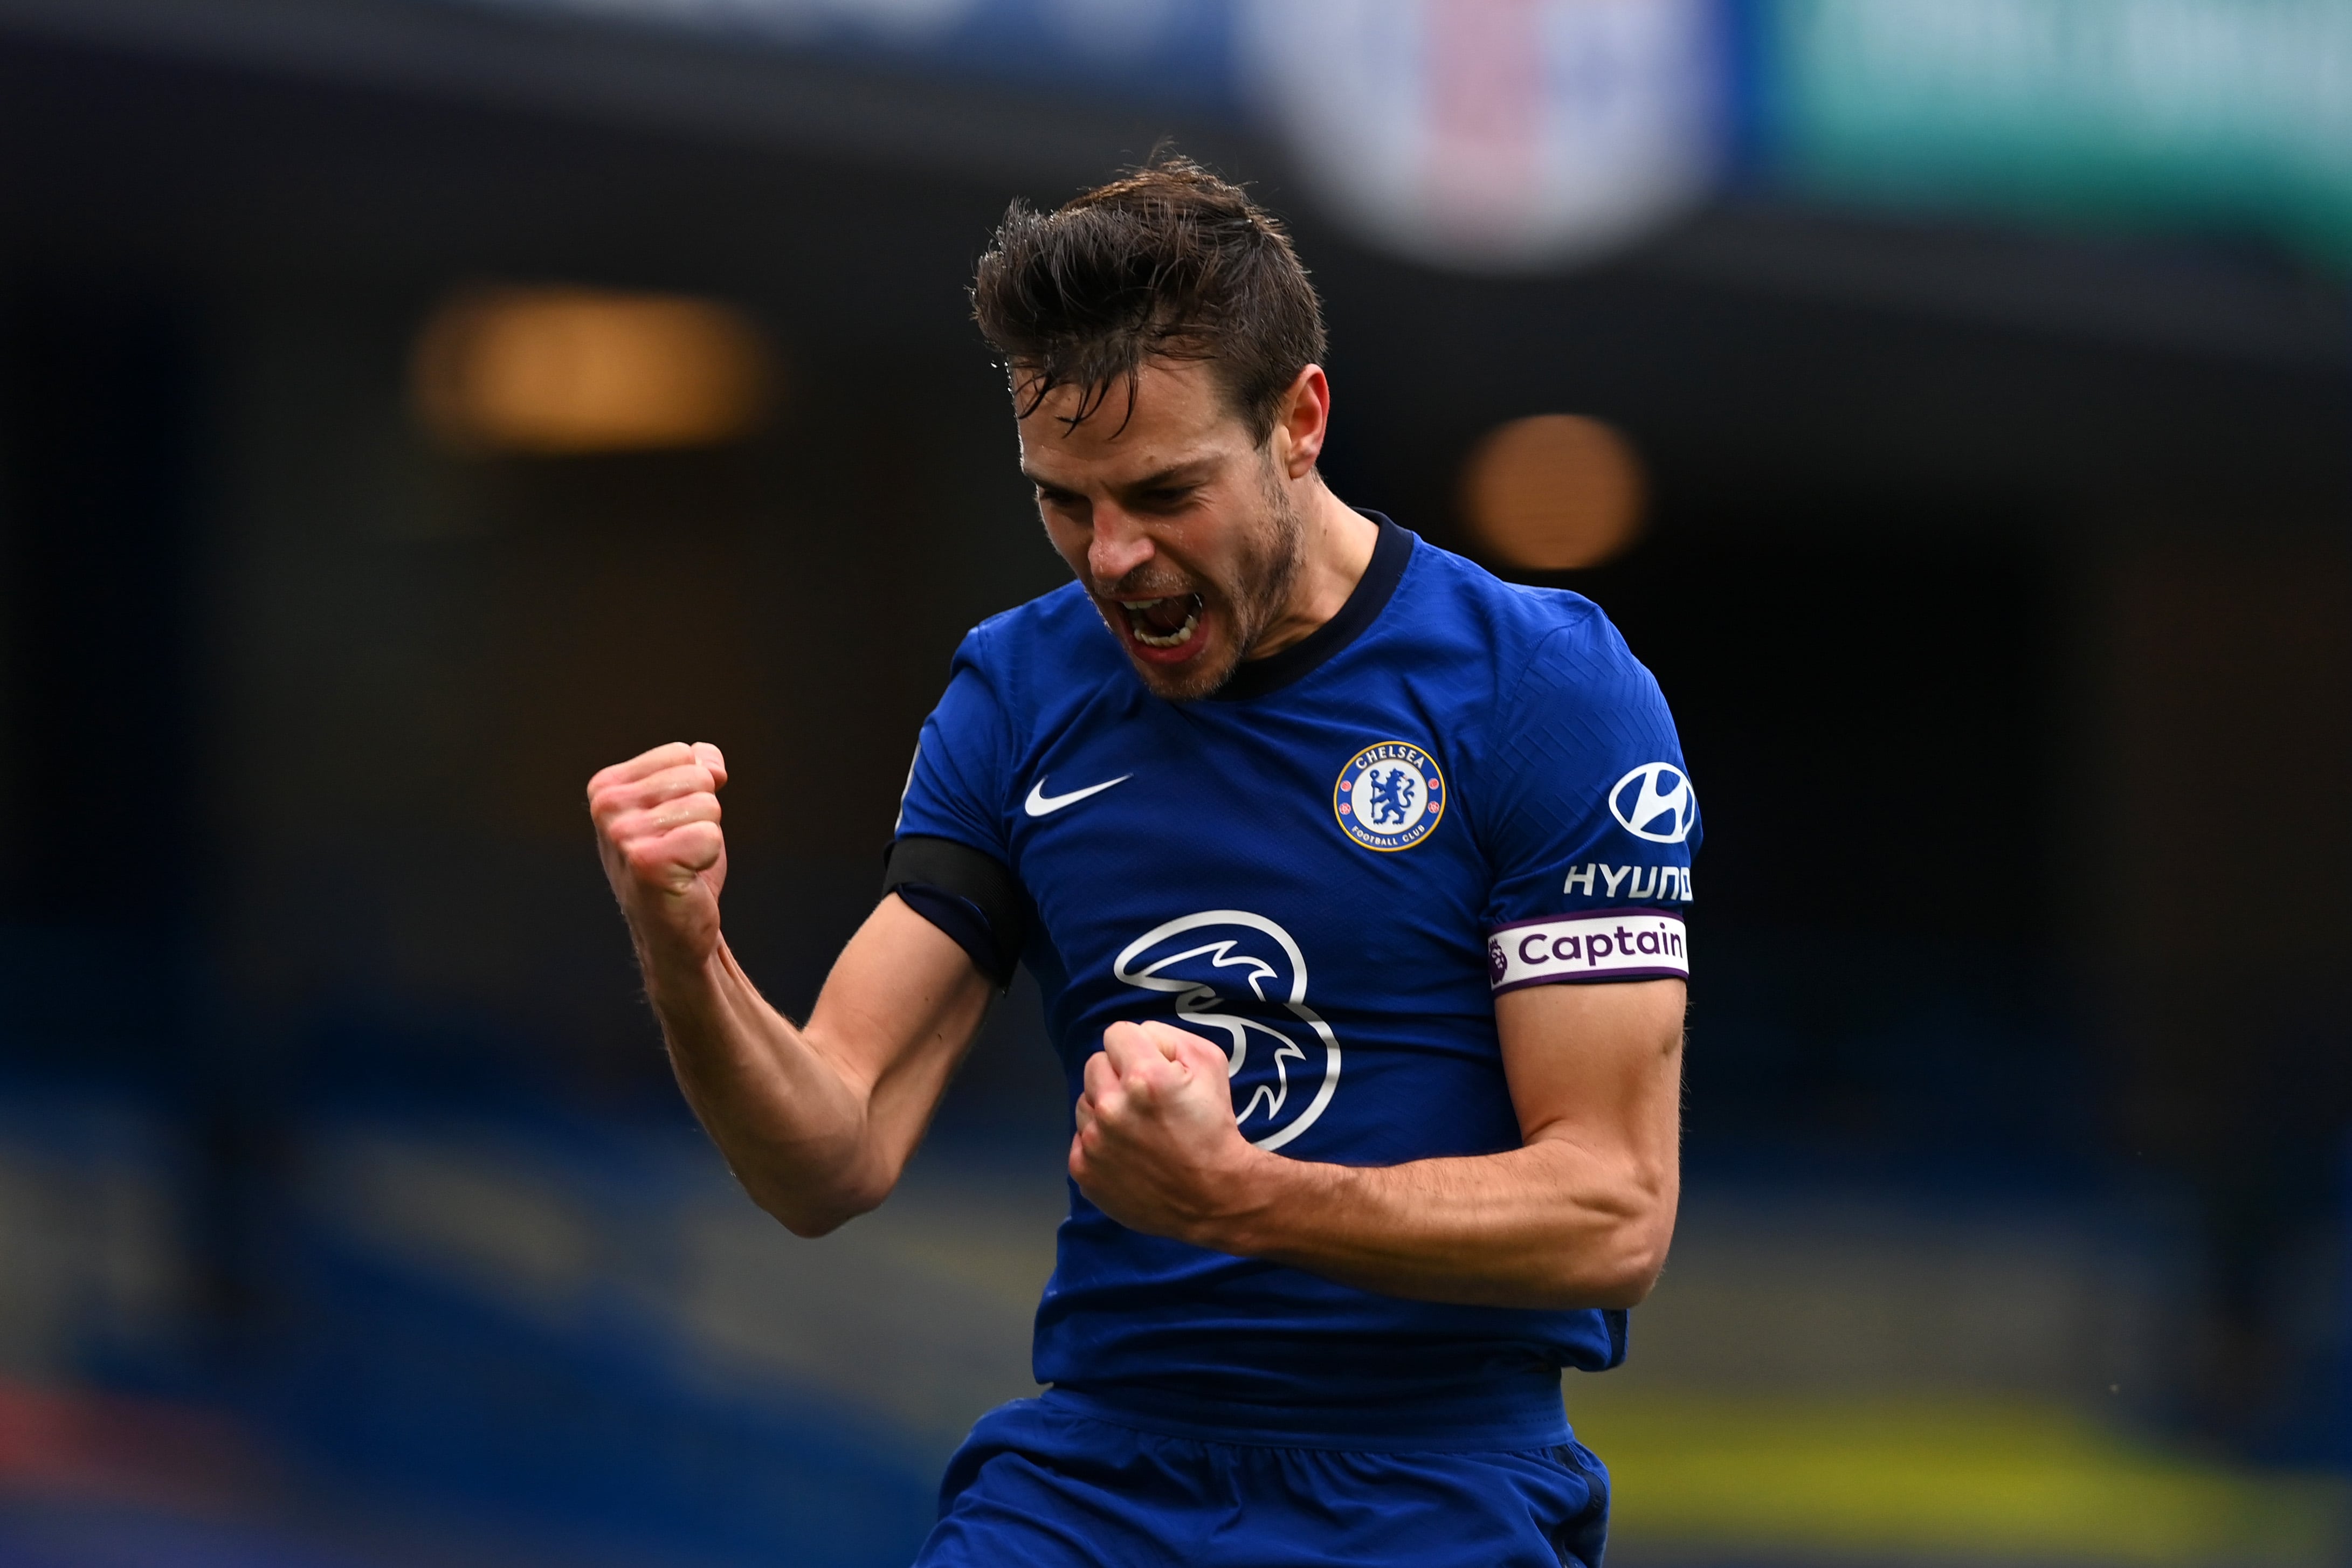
[1174, 474]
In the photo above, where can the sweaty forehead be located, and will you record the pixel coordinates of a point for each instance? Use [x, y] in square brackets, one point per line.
[1072, 462]
[1173, 413]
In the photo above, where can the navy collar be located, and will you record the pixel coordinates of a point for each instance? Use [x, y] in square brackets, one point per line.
[1256, 677]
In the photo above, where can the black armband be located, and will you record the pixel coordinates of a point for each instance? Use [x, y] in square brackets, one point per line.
[965, 892]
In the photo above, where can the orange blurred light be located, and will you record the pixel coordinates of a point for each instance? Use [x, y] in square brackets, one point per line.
[1553, 492]
[565, 370]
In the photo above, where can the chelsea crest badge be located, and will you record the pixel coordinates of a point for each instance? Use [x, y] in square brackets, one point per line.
[1390, 796]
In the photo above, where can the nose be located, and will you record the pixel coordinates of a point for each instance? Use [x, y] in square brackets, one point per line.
[1118, 547]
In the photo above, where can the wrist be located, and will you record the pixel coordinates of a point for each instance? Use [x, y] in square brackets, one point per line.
[1241, 1220]
[679, 979]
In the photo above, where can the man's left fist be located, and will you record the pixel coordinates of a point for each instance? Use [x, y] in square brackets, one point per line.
[1156, 1147]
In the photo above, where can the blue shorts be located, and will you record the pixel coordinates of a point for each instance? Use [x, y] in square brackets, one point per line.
[1047, 1483]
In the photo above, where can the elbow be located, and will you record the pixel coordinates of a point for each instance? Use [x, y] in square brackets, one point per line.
[812, 1212]
[1628, 1278]
[811, 1225]
[811, 1187]
[1624, 1269]
[1633, 1251]
[809, 1220]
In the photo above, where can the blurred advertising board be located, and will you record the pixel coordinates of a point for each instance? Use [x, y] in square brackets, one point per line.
[1519, 134]
[2229, 112]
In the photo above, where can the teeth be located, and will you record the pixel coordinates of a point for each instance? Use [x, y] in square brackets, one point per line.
[1138, 609]
[1176, 639]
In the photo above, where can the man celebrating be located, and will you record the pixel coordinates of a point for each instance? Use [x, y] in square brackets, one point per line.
[1351, 876]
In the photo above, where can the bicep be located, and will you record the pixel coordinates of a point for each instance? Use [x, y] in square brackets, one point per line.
[1599, 1064]
[901, 1007]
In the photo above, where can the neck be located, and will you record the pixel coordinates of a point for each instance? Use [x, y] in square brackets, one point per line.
[1338, 552]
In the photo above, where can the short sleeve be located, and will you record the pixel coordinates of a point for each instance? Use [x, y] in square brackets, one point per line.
[1595, 820]
[956, 786]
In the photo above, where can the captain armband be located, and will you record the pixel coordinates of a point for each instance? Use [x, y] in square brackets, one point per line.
[967, 893]
[1607, 945]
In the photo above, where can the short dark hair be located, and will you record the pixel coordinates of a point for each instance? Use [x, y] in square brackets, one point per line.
[1169, 262]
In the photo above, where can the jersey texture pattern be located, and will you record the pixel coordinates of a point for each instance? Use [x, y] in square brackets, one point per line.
[1456, 787]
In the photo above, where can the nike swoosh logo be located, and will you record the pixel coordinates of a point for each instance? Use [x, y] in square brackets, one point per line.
[1041, 804]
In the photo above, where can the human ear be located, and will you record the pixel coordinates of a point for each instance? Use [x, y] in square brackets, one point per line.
[1306, 415]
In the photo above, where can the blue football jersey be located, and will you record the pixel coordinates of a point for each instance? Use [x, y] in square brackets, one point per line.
[1454, 787]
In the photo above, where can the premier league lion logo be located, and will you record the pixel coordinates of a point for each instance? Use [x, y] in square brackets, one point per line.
[1240, 979]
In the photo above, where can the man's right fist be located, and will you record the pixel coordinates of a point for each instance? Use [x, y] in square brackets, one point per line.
[656, 820]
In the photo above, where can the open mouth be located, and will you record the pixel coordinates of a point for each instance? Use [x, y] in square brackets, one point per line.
[1166, 623]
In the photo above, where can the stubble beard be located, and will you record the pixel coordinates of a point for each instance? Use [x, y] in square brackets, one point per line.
[1271, 558]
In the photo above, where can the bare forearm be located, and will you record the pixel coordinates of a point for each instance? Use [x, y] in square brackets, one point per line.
[793, 1125]
[819, 1119]
[1551, 1225]
[1579, 1216]
[816, 1120]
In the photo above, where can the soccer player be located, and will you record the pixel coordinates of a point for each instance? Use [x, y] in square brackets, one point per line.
[1351, 876]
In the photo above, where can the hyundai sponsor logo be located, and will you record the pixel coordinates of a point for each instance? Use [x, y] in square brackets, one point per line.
[1659, 884]
[1655, 801]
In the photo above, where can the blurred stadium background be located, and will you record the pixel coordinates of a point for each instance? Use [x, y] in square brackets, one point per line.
[409, 405]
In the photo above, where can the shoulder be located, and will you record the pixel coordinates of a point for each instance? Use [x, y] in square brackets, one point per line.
[1544, 639]
[1048, 632]
[1026, 655]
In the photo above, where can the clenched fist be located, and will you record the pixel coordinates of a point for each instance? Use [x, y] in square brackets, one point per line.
[656, 820]
[1156, 1148]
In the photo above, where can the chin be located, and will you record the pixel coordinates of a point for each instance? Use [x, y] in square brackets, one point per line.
[1198, 676]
